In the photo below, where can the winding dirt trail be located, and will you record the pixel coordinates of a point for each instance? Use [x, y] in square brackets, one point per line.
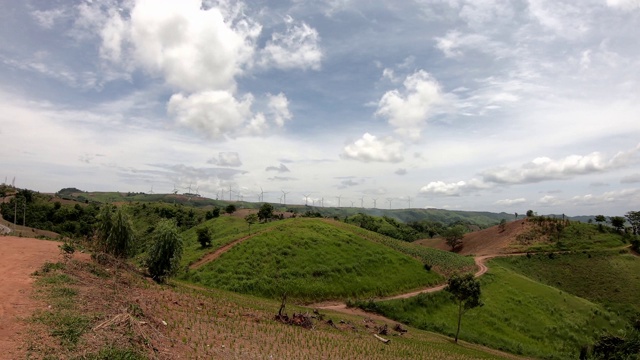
[216, 254]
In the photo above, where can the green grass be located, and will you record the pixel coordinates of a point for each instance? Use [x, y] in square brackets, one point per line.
[519, 315]
[575, 237]
[443, 262]
[312, 260]
[605, 277]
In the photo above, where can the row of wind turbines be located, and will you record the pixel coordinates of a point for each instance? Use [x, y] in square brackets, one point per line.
[221, 194]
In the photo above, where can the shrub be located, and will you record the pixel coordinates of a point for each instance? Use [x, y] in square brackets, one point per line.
[165, 252]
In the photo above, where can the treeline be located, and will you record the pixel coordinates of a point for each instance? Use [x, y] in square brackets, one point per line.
[391, 227]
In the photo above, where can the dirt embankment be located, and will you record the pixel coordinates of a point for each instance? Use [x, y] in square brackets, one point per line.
[19, 258]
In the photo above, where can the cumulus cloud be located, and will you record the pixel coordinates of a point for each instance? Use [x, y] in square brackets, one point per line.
[451, 189]
[544, 168]
[549, 200]
[48, 18]
[624, 195]
[215, 113]
[278, 106]
[370, 148]
[297, 47]
[281, 169]
[229, 159]
[408, 110]
[511, 202]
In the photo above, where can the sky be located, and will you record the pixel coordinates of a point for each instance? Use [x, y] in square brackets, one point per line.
[483, 105]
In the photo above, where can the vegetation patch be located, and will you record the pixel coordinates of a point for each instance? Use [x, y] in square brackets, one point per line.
[519, 315]
[311, 260]
[604, 277]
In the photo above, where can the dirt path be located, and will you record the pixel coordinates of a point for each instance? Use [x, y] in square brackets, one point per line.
[216, 254]
[19, 258]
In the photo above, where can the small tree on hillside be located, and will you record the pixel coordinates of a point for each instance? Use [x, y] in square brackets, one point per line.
[503, 225]
[465, 290]
[617, 222]
[165, 253]
[230, 209]
[266, 212]
[600, 219]
[530, 213]
[251, 219]
[115, 233]
[453, 237]
[204, 236]
[634, 219]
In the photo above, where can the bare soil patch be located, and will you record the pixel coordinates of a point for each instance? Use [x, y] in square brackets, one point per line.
[19, 258]
[489, 241]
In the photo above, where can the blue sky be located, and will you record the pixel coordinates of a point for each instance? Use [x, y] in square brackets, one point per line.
[470, 105]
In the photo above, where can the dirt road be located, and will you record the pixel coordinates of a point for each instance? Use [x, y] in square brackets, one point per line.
[19, 258]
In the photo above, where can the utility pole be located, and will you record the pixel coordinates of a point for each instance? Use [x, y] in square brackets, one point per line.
[24, 214]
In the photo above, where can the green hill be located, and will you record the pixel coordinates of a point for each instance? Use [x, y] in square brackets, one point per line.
[312, 260]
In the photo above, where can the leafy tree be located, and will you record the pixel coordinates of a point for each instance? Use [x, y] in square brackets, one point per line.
[204, 236]
[634, 219]
[530, 213]
[115, 234]
[230, 209]
[465, 290]
[453, 237]
[251, 219]
[617, 222]
[266, 212]
[600, 219]
[165, 253]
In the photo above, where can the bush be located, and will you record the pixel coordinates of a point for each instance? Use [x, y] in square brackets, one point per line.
[165, 252]
[204, 237]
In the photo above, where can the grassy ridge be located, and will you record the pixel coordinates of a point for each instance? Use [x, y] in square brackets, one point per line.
[443, 262]
[576, 236]
[605, 277]
[312, 260]
[519, 315]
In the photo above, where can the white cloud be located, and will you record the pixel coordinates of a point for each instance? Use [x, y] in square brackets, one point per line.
[629, 196]
[452, 189]
[278, 106]
[544, 168]
[215, 113]
[454, 42]
[230, 159]
[511, 202]
[48, 18]
[281, 169]
[370, 148]
[549, 200]
[624, 4]
[297, 47]
[409, 110]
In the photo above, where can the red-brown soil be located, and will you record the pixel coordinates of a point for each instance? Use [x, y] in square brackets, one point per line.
[19, 258]
[489, 241]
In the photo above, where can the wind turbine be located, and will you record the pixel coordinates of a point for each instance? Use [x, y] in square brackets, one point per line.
[338, 197]
[151, 191]
[375, 200]
[362, 202]
[322, 201]
[389, 200]
[284, 197]
[352, 204]
[306, 199]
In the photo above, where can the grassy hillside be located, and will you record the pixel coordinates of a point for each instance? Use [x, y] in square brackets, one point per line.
[605, 277]
[90, 319]
[312, 260]
[519, 315]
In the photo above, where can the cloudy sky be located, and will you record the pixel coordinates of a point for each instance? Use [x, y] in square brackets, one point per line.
[458, 104]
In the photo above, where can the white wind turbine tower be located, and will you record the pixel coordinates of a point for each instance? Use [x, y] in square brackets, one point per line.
[362, 202]
[352, 202]
[322, 201]
[389, 200]
[338, 197]
[151, 191]
[306, 199]
[284, 197]
[375, 200]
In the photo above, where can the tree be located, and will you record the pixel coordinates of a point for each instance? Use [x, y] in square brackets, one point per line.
[115, 233]
[204, 236]
[165, 253]
[266, 212]
[453, 237]
[230, 209]
[503, 225]
[600, 219]
[465, 290]
[530, 213]
[617, 222]
[251, 219]
[634, 219]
